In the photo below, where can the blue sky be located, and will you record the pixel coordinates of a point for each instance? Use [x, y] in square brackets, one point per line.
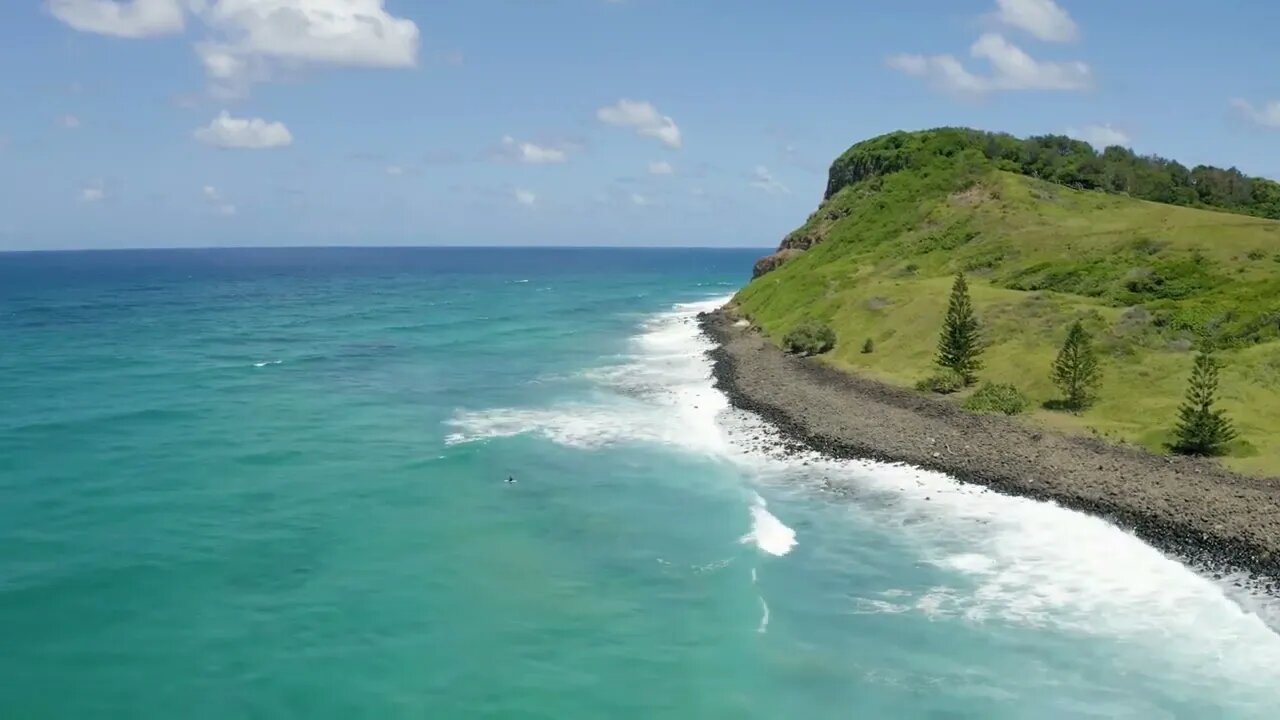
[569, 122]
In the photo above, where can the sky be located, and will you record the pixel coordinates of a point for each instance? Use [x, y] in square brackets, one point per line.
[173, 123]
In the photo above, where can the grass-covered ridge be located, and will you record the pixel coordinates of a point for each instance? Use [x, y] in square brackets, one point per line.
[1150, 281]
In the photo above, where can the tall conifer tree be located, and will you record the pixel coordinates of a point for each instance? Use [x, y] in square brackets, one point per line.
[1202, 429]
[1075, 371]
[961, 341]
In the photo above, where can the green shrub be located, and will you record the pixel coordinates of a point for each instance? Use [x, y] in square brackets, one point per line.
[944, 382]
[810, 337]
[868, 347]
[997, 398]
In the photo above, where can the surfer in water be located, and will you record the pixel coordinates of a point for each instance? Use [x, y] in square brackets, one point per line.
[510, 479]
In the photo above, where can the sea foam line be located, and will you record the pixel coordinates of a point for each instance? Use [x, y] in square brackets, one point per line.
[1013, 559]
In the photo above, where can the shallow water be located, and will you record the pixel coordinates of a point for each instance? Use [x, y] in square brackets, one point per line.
[272, 484]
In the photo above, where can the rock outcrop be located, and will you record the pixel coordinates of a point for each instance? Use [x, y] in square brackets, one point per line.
[769, 263]
[791, 246]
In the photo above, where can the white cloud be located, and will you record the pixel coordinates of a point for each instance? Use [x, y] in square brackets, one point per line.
[1016, 70]
[394, 170]
[1042, 18]
[526, 198]
[243, 133]
[93, 192]
[1268, 115]
[640, 200]
[661, 168]
[527, 152]
[215, 200]
[70, 122]
[250, 38]
[127, 19]
[764, 180]
[909, 63]
[249, 41]
[1012, 69]
[1100, 136]
[642, 117]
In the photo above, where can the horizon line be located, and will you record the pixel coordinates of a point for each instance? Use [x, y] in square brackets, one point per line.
[389, 247]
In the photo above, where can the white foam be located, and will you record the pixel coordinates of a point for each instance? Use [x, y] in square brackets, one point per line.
[661, 393]
[764, 616]
[1007, 559]
[265, 363]
[768, 533]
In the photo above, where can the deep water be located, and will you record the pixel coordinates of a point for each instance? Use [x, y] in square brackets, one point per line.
[273, 483]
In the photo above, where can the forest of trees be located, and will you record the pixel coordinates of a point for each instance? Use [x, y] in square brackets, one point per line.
[1063, 160]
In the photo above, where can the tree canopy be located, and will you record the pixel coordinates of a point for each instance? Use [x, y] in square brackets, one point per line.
[1066, 161]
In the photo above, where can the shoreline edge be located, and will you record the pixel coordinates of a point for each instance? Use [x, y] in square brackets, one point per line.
[1190, 508]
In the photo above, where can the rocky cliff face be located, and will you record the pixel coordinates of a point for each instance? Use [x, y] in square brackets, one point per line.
[792, 246]
[769, 263]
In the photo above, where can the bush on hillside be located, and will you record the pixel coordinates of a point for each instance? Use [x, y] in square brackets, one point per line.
[811, 337]
[997, 398]
[944, 382]
[868, 347]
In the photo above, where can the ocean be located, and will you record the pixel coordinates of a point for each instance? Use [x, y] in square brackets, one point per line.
[274, 484]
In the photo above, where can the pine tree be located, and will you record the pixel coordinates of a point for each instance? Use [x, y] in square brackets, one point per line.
[1202, 430]
[1075, 371]
[960, 344]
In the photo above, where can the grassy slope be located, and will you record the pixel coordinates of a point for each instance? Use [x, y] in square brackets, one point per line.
[1145, 278]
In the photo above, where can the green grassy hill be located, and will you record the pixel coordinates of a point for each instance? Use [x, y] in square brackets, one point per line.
[1151, 281]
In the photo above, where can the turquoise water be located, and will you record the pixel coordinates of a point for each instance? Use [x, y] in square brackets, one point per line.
[272, 484]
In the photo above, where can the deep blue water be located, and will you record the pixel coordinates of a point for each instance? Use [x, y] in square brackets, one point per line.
[272, 483]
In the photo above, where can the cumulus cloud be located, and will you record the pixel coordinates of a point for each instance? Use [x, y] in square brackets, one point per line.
[70, 122]
[526, 198]
[762, 179]
[643, 118]
[225, 131]
[120, 18]
[93, 192]
[530, 153]
[1011, 69]
[1100, 136]
[661, 168]
[640, 200]
[251, 38]
[1267, 115]
[248, 41]
[394, 170]
[1044, 19]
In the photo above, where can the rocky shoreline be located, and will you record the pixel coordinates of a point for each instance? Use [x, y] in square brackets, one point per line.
[1193, 509]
